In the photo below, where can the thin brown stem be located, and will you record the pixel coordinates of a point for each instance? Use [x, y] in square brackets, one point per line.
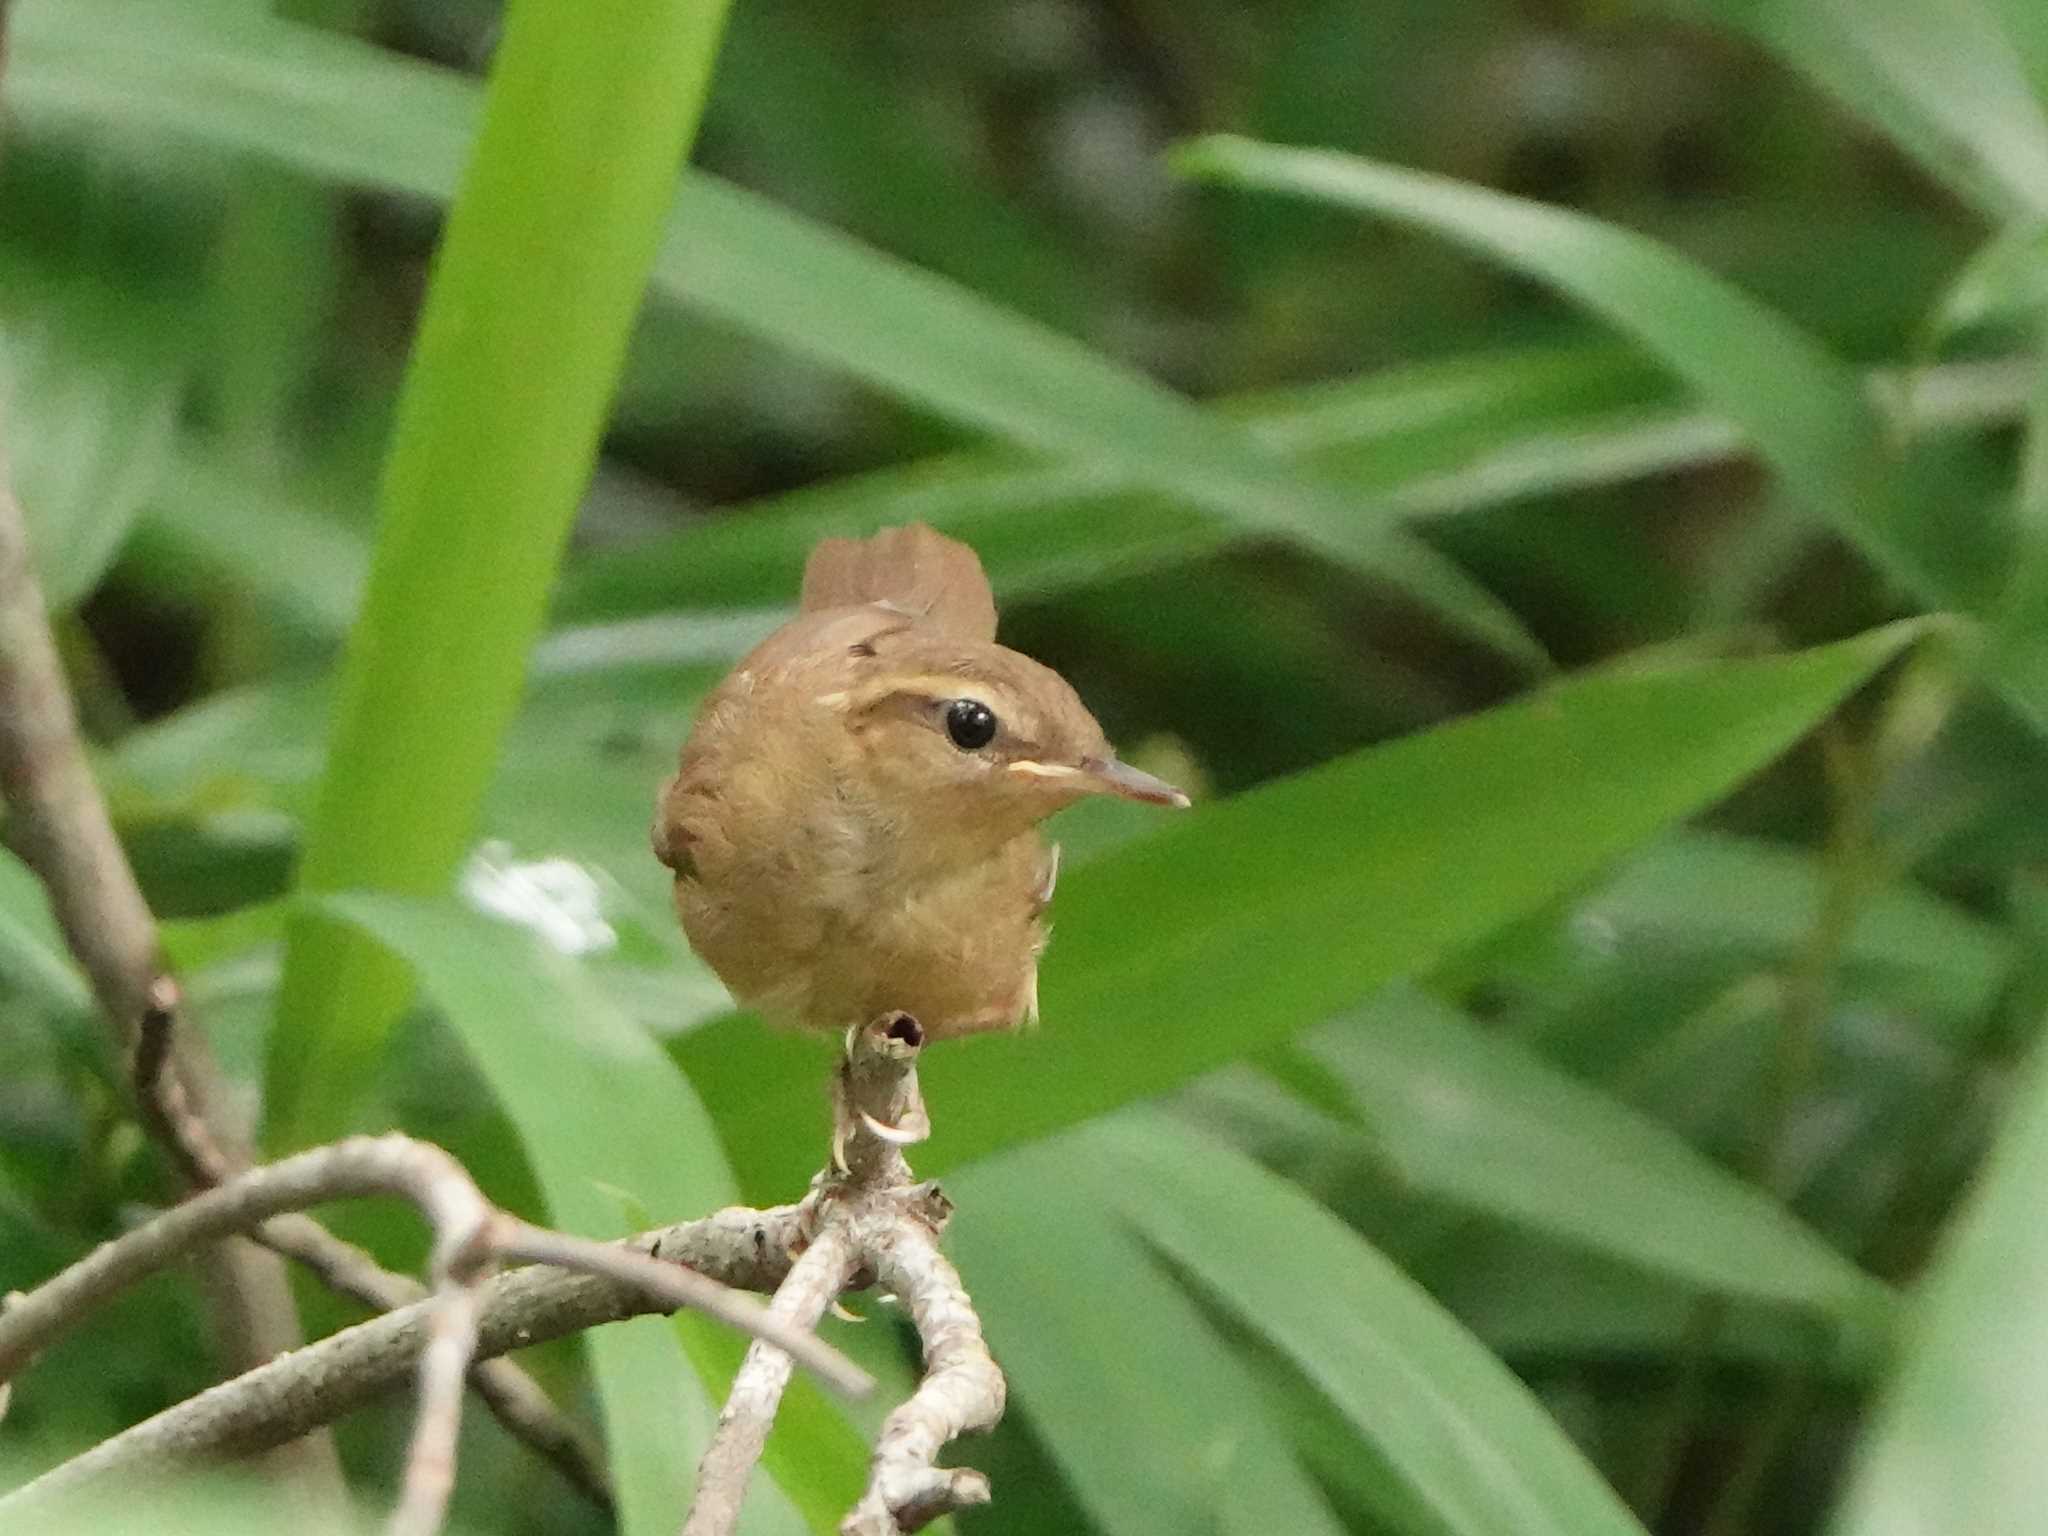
[864, 1222]
[814, 1280]
[676, 1288]
[364, 1165]
[962, 1392]
[470, 1237]
[58, 823]
[326, 1381]
[879, 1225]
[513, 1397]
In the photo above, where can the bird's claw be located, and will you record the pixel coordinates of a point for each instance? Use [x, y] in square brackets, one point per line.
[909, 1135]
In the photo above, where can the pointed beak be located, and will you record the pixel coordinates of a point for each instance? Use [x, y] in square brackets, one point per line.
[1119, 778]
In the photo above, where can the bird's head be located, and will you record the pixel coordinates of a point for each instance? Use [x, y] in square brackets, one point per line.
[975, 730]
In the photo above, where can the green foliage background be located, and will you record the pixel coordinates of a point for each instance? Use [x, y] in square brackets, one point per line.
[1566, 482]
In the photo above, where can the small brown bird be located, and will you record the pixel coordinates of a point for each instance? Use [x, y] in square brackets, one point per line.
[853, 826]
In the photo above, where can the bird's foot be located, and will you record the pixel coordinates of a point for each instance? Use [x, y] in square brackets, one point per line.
[839, 1163]
[916, 1127]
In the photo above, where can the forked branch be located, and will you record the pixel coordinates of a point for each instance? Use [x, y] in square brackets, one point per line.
[876, 1226]
[471, 1237]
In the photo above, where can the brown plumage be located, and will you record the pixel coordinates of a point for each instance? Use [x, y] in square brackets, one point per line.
[853, 823]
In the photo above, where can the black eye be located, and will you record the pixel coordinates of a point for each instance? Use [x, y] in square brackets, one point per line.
[970, 723]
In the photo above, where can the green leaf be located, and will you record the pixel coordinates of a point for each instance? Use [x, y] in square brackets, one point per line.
[1142, 1404]
[308, 568]
[2005, 282]
[1473, 1119]
[1532, 1300]
[1419, 441]
[33, 955]
[1456, 1427]
[598, 1108]
[1956, 1443]
[1707, 890]
[1803, 408]
[1940, 77]
[1430, 440]
[93, 379]
[927, 340]
[536, 283]
[296, 96]
[1237, 926]
[2026, 27]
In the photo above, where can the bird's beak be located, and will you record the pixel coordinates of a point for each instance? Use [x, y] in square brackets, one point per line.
[1120, 778]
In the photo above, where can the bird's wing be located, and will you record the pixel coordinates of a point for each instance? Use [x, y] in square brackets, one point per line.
[913, 570]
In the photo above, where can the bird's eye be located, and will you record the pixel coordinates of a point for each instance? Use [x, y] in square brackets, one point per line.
[971, 724]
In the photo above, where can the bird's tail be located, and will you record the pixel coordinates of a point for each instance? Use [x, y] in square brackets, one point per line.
[913, 569]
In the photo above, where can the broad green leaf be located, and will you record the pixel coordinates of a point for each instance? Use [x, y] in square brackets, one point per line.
[1452, 1422]
[1242, 923]
[33, 956]
[2005, 282]
[1939, 77]
[1430, 440]
[1410, 442]
[1803, 408]
[583, 757]
[1142, 1404]
[1473, 1119]
[2026, 28]
[598, 1108]
[1535, 1301]
[536, 282]
[93, 379]
[1956, 1442]
[309, 100]
[929, 341]
[1708, 890]
[307, 568]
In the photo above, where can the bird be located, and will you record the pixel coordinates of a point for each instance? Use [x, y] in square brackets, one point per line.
[853, 824]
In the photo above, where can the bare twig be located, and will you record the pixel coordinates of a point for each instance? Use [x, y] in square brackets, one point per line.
[513, 1397]
[676, 1287]
[814, 1280]
[59, 825]
[470, 1236]
[432, 1180]
[328, 1380]
[962, 1392]
[430, 1460]
[864, 1222]
[881, 1227]
[363, 1165]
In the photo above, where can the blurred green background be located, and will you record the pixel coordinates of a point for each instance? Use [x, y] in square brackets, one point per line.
[1572, 1072]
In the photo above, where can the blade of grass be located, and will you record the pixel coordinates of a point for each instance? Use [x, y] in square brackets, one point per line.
[1940, 77]
[2026, 25]
[1148, 1411]
[1803, 408]
[1433, 440]
[1460, 1433]
[340, 109]
[937, 343]
[1475, 1120]
[1956, 1445]
[539, 274]
[543, 1036]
